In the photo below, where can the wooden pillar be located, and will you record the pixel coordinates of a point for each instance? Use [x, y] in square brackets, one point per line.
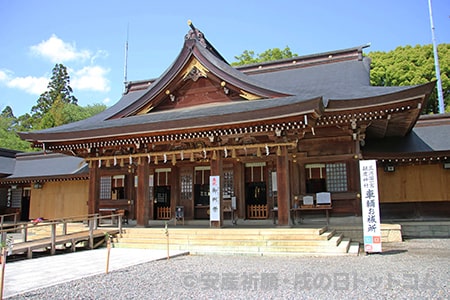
[354, 184]
[94, 188]
[283, 187]
[142, 197]
[151, 194]
[217, 170]
[239, 187]
[174, 189]
[295, 175]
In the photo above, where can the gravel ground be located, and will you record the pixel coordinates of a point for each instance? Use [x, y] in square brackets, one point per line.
[414, 269]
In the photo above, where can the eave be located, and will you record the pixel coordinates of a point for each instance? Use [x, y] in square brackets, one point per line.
[387, 115]
[301, 114]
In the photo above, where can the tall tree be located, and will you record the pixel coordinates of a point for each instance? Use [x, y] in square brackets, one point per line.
[411, 66]
[58, 88]
[248, 56]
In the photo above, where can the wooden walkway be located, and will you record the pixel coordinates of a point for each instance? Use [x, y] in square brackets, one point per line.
[67, 233]
[68, 240]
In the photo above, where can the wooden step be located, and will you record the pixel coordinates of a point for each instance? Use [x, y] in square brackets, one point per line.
[238, 241]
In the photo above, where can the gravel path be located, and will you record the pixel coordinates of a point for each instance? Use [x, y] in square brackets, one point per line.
[415, 269]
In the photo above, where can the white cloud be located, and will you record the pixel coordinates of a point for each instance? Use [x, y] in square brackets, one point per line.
[106, 101]
[88, 78]
[4, 75]
[58, 51]
[91, 78]
[31, 85]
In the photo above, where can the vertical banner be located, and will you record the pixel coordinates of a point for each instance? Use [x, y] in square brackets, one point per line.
[370, 205]
[214, 198]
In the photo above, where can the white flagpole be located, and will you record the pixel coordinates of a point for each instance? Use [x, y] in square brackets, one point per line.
[436, 63]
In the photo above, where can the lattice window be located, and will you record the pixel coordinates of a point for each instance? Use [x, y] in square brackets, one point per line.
[15, 197]
[186, 187]
[228, 190]
[105, 187]
[336, 177]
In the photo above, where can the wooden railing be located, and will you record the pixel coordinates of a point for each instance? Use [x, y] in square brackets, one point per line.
[163, 213]
[258, 211]
[52, 226]
[3, 217]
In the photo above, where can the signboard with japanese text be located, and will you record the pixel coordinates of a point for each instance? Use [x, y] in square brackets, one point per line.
[214, 198]
[370, 205]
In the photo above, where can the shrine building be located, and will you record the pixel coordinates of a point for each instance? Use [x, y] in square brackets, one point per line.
[272, 132]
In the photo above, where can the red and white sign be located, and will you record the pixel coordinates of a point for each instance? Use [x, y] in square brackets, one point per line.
[214, 198]
[370, 205]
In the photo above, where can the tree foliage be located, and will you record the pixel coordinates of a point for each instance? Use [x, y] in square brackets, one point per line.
[58, 89]
[248, 57]
[8, 132]
[54, 107]
[411, 66]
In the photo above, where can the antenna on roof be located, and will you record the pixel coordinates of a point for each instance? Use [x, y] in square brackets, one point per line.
[125, 79]
[436, 64]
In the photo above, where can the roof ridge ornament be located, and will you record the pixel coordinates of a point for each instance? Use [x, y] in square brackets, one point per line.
[195, 34]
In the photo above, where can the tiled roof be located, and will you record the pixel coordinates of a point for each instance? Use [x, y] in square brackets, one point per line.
[7, 161]
[41, 165]
[337, 79]
[434, 137]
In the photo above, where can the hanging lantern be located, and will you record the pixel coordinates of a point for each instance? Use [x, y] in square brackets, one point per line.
[192, 157]
[279, 151]
[122, 163]
[258, 152]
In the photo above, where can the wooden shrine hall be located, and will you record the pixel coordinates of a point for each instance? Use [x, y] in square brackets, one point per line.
[273, 132]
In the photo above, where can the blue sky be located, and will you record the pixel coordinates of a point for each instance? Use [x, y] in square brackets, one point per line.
[89, 37]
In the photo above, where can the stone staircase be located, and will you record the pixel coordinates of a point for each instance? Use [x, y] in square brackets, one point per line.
[240, 241]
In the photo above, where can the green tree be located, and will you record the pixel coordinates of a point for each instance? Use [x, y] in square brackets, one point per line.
[411, 66]
[8, 112]
[248, 56]
[58, 88]
[8, 136]
[63, 113]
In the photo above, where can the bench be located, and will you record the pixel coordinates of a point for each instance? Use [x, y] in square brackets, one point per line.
[297, 211]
